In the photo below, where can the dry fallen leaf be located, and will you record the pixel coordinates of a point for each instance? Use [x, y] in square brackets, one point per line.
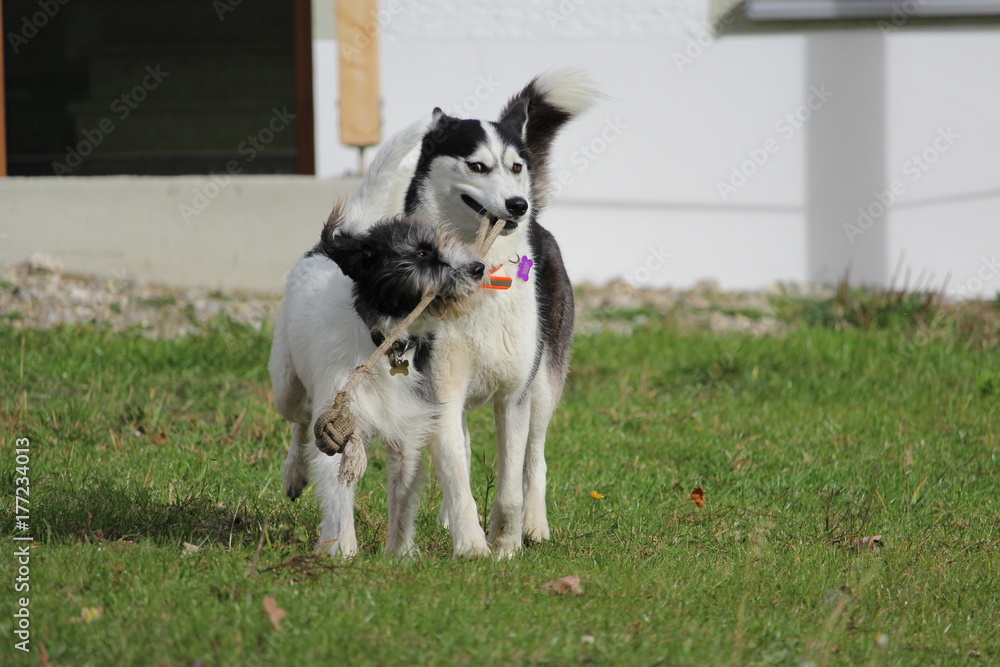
[190, 548]
[596, 495]
[698, 496]
[568, 584]
[871, 543]
[274, 612]
[160, 438]
[91, 614]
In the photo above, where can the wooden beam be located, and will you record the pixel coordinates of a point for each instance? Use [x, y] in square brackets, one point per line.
[305, 130]
[357, 42]
[3, 106]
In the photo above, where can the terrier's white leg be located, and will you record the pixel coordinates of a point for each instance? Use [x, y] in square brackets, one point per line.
[295, 474]
[337, 536]
[512, 419]
[405, 480]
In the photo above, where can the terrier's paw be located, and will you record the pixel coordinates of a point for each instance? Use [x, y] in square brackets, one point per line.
[294, 478]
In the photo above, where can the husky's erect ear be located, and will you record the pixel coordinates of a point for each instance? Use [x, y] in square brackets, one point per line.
[437, 133]
[351, 253]
[516, 119]
[438, 118]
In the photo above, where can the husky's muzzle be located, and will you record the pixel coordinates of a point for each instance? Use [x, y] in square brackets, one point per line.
[510, 225]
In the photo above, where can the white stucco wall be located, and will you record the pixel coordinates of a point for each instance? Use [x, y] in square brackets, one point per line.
[690, 107]
[644, 168]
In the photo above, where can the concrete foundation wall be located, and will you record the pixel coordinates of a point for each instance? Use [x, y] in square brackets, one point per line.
[718, 152]
[243, 233]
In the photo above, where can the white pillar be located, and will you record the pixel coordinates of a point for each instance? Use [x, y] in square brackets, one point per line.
[845, 159]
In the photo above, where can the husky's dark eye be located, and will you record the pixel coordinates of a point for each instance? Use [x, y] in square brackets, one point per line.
[477, 167]
[516, 167]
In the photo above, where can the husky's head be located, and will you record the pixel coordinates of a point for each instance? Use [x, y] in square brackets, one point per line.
[469, 169]
[395, 262]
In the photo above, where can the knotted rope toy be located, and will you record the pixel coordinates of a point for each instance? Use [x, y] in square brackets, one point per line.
[335, 429]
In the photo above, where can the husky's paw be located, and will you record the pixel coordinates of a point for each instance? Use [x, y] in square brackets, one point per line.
[345, 546]
[475, 547]
[402, 552]
[535, 528]
[506, 528]
[506, 544]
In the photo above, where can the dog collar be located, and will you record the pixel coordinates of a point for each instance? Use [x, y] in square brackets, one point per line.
[395, 353]
[499, 278]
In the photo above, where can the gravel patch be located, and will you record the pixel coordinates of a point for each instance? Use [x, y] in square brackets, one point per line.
[39, 295]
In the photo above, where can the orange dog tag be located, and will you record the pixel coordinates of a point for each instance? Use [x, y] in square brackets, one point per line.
[498, 280]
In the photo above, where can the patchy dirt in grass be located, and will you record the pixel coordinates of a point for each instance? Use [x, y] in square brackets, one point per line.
[39, 295]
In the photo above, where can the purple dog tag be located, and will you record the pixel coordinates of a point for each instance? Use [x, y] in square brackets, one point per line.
[523, 267]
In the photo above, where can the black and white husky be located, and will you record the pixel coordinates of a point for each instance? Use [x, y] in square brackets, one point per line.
[514, 348]
[351, 288]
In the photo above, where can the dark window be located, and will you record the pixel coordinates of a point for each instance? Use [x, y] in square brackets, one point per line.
[149, 86]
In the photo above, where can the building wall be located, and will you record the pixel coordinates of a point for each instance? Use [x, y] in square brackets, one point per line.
[654, 190]
[686, 109]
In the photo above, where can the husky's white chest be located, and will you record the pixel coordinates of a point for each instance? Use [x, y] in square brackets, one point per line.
[492, 348]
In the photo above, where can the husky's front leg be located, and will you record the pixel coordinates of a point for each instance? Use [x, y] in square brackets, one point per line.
[443, 514]
[545, 393]
[512, 415]
[450, 463]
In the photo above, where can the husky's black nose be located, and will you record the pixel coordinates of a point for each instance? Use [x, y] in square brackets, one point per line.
[477, 269]
[517, 206]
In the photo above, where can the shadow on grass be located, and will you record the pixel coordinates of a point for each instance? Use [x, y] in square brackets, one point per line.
[104, 510]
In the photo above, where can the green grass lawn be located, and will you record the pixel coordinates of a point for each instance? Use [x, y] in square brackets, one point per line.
[803, 443]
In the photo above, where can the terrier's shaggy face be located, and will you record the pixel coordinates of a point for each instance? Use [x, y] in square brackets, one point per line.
[396, 262]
